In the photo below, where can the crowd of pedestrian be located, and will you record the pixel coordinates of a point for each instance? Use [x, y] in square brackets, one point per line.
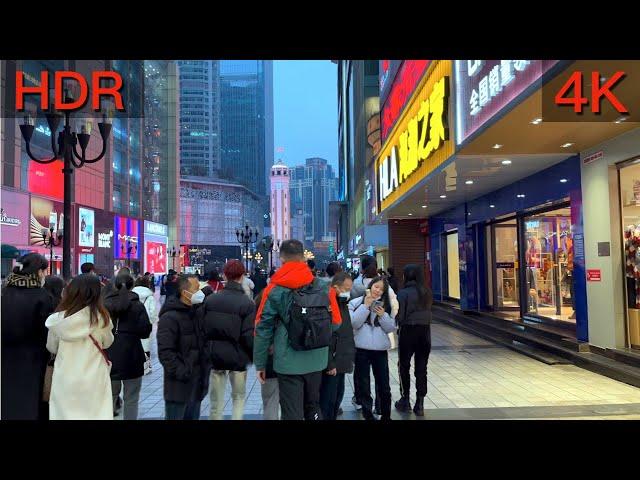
[80, 350]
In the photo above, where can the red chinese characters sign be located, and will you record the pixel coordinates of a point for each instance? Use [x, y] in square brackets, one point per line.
[594, 275]
[406, 81]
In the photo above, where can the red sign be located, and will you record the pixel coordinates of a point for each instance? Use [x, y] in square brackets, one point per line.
[594, 276]
[403, 86]
[47, 179]
[156, 257]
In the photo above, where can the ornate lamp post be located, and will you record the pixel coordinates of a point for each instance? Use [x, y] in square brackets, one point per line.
[269, 246]
[247, 237]
[66, 149]
[173, 253]
[50, 242]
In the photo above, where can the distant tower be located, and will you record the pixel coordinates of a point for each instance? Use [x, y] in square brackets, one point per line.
[280, 205]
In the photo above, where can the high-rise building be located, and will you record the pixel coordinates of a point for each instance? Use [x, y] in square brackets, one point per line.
[313, 185]
[160, 202]
[199, 117]
[246, 122]
[280, 203]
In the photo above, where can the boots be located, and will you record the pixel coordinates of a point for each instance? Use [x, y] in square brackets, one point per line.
[403, 405]
[418, 408]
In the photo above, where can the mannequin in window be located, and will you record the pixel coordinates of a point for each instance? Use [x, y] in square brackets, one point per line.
[532, 256]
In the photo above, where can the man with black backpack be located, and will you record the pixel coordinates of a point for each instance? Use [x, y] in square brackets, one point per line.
[297, 315]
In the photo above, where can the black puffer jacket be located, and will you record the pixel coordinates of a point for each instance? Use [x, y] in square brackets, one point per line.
[412, 312]
[130, 325]
[228, 327]
[25, 308]
[181, 352]
[342, 351]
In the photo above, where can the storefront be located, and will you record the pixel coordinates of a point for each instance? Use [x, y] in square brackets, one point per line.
[127, 251]
[14, 219]
[105, 241]
[611, 187]
[155, 248]
[204, 258]
[517, 250]
[45, 215]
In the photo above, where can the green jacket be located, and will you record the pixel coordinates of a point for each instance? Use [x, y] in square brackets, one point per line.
[271, 329]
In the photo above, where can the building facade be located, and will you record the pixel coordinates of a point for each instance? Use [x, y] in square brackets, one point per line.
[199, 117]
[280, 203]
[313, 185]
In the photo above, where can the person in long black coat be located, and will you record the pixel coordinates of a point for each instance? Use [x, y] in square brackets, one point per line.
[25, 308]
[130, 325]
[228, 325]
[181, 351]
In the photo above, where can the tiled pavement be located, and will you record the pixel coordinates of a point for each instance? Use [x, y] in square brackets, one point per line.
[469, 378]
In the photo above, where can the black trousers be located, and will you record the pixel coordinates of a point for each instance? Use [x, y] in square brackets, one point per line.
[378, 361]
[356, 389]
[300, 396]
[414, 341]
[331, 393]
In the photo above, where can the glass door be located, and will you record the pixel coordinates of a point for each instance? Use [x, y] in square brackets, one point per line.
[505, 266]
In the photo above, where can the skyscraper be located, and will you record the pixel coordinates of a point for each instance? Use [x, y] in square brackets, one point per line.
[246, 122]
[314, 185]
[199, 117]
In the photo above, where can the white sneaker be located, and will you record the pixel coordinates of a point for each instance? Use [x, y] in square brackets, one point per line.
[147, 366]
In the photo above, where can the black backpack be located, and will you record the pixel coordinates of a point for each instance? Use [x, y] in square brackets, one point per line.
[309, 325]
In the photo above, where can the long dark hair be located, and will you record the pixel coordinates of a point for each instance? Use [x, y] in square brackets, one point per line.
[414, 273]
[31, 263]
[54, 286]
[385, 294]
[84, 291]
[123, 284]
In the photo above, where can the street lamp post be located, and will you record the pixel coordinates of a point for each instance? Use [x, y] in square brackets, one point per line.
[50, 242]
[66, 149]
[173, 253]
[269, 246]
[245, 238]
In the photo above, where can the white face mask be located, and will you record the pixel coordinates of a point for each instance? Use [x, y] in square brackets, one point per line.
[42, 281]
[197, 297]
[345, 295]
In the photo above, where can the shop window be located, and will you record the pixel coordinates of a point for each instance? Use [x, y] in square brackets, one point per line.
[549, 265]
[630, 210]
[453, 266]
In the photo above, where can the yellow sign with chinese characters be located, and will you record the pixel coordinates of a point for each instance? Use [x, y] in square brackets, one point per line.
[420, 140]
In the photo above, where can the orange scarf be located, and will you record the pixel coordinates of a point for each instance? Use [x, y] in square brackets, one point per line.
[295, 275]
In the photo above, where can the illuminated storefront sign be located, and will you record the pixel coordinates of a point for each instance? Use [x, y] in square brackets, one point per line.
[484, 87]
[406, 80]
[420, 141]
[155, 247]
[155, 228]
[46, 179]
[126, 233]
[86, 224]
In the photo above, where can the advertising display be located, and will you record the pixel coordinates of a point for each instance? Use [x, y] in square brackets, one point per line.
[86, 223]
[155, 247]
[14, 218]
[44, 215]
[47, 179]
[126, 238]
[484, 87]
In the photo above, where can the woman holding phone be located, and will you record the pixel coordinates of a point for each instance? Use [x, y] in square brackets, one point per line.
[372, 321]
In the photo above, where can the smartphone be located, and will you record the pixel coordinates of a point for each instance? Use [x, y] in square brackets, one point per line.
[376, 304]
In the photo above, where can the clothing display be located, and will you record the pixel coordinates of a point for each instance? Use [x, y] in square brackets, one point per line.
[632, 264]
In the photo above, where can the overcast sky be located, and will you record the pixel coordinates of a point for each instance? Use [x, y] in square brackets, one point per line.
[305, 110]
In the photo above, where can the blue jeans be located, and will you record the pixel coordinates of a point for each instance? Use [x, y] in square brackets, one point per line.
[331, 394]
[181, 411]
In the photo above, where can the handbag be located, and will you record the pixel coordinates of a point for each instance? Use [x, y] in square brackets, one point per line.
[48, 377]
